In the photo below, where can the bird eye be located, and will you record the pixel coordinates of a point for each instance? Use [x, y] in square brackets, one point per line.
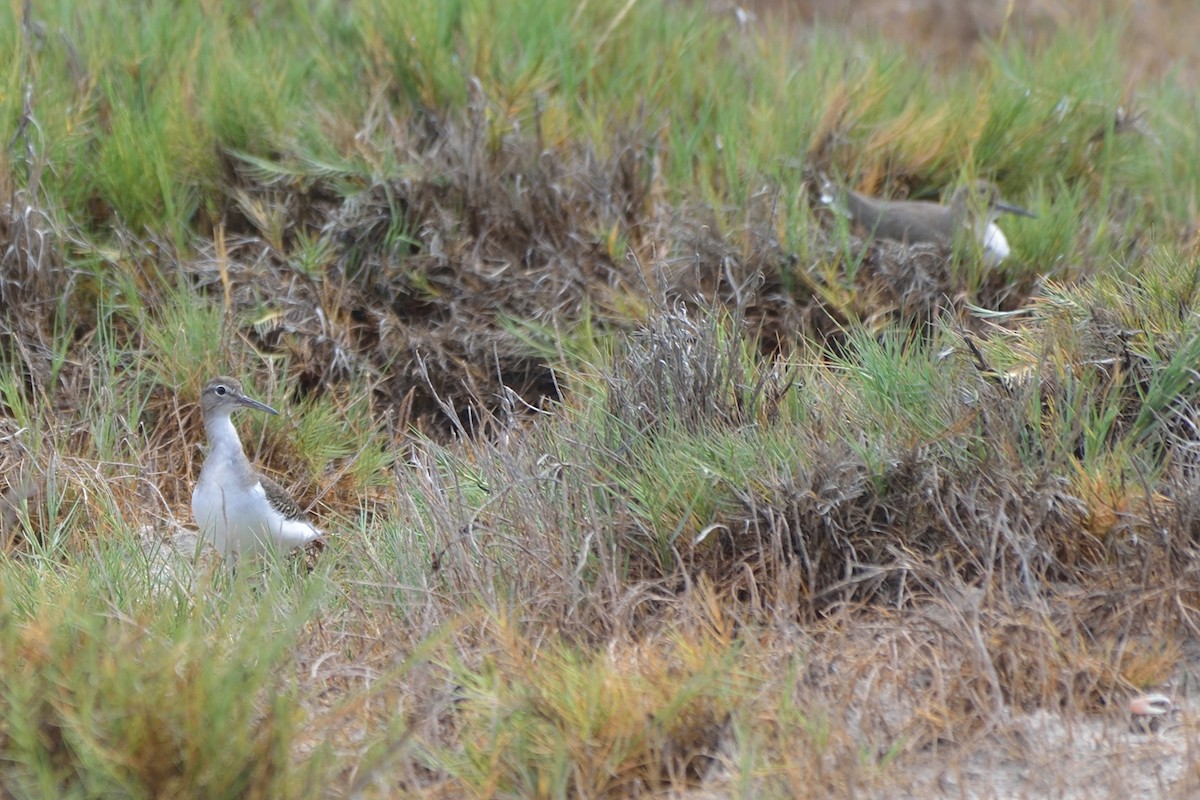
[220, 390]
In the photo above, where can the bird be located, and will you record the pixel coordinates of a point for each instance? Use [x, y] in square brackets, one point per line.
[240, 510]
[973, 207]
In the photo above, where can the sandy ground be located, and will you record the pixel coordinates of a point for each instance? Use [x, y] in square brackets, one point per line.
[1043, 755]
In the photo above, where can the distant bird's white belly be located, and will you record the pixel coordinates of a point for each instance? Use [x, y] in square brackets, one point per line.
[995, 246]
[243, 522]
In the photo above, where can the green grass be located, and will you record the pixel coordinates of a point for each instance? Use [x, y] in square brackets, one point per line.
[685, 565]
[134, 693]
[148, 100]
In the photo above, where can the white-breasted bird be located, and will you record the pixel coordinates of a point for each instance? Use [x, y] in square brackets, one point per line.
[972, 209]
[240, 510]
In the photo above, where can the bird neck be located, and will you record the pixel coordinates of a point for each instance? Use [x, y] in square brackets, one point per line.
[223, 439]
[967, 215]
[980, 223]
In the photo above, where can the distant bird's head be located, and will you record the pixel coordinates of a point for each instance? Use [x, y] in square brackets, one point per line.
[983, 198]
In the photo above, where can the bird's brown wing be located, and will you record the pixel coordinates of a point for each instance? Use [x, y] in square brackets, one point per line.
[280, 500]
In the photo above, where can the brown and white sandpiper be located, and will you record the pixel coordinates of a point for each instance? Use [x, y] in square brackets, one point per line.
[240, 510]
[973, 208]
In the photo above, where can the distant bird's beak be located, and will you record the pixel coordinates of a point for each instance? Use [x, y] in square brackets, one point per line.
[1011, 209]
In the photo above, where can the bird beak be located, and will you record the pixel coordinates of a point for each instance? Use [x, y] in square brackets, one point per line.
[1011, 209]
[248, 403]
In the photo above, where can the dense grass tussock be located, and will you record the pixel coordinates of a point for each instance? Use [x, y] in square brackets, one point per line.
[210, 715]
[648, 474]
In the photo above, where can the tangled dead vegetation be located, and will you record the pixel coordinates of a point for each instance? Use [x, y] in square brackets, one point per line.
[418, 278]
[421, 280]
[33, 281]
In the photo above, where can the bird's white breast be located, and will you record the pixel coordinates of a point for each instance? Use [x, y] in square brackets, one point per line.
[239, 520]
[995, 245]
